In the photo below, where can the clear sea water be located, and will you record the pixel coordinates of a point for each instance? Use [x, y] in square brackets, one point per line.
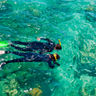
[71, 21]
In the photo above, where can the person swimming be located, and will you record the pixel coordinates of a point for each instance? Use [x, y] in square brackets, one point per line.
[32, 57]
[42, 47]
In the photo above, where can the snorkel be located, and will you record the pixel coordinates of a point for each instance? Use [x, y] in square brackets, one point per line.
[59, 42]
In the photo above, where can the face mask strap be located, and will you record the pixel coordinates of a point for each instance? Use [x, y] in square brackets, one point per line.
[55, 56]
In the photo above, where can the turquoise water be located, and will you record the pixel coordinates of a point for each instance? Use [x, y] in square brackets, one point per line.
[71, 21]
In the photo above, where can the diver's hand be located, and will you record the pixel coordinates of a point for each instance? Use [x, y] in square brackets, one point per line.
[38, 39]
[57, 63]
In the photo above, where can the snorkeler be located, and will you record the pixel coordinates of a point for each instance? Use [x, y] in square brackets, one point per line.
[32, 57]
[42, 47]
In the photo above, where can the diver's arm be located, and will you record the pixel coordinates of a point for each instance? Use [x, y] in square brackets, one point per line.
[50, 64]
[46, 39]
[19, 42]
[56, 63]
[22, 49]
[13, 61]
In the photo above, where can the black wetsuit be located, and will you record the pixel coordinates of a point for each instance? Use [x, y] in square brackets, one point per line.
[31, 57]
[35, 46]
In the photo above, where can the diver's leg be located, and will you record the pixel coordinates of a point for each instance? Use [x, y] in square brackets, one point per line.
[4, 52]
[19, 53]
[17, 60]
[21, 43]
[13, 61]
[16, 53]
[22, 49]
